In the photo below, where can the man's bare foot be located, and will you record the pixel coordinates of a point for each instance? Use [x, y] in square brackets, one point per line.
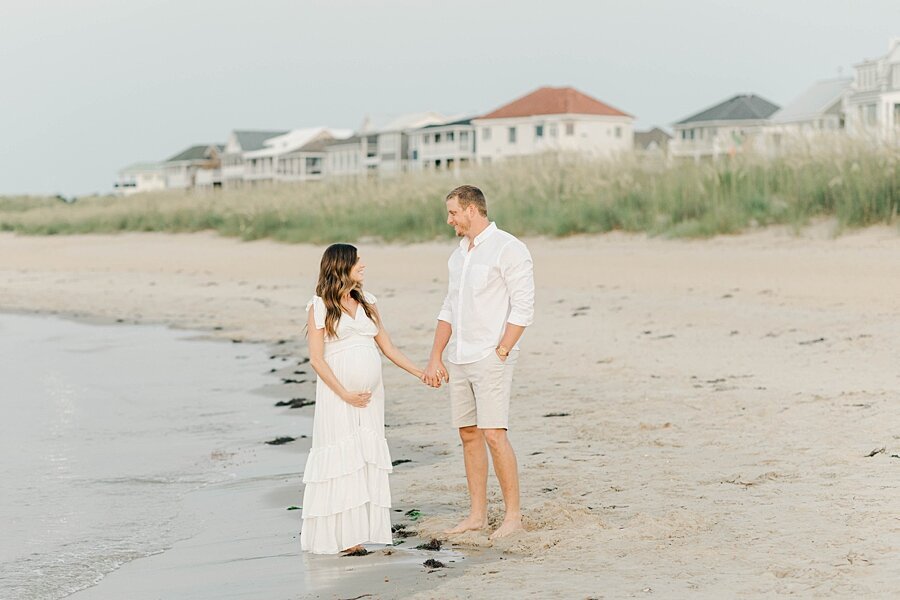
[506, 528]
[470, 523]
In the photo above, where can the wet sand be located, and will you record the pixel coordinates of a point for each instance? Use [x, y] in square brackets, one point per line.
[719, 403]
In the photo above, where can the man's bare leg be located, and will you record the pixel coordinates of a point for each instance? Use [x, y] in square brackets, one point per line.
[475, 456]
[507, 470]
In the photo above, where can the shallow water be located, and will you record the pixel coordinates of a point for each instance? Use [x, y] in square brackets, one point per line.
[103, 430]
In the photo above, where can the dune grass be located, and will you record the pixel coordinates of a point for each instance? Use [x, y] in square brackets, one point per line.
[548, 195]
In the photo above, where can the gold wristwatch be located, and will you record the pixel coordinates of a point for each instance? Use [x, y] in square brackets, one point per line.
[502, 351]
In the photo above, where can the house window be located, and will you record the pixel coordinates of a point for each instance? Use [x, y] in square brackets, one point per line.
[427, 139]
[570, 128]
[511, 135]
[539, 131]
[437, 138]
[415, 154]
[450, 136]
[463, 136]
[618, 132]
[486, 133]
[553, 130]
[896, 116]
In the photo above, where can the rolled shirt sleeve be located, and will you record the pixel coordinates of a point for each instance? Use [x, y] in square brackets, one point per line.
[446, 313]
[518, 272]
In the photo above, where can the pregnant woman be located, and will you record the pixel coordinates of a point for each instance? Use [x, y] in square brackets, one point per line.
[347, 498]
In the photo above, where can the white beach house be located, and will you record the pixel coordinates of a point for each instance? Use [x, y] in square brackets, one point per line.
[355, 155]
[377, 149]
[723, 129]
[140, 177]
[873, 103]
[297, 155]
[442, 146]
[240, 141]
[202, 162]
[552, 120]
[813, 117]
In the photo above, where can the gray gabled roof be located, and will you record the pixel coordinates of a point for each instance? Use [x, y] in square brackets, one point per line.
[253, 140]
[814, 102]
[743, 107]
[197, 152]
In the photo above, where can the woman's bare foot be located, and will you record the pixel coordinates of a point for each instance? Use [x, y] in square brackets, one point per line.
[508, 527]
[470, 523]
[357, 550]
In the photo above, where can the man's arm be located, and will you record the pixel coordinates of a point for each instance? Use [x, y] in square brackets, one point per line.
[517, 269]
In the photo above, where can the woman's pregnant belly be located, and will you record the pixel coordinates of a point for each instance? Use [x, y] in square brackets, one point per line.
[360, 368]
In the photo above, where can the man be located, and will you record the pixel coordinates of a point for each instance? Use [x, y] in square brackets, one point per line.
[489, 303]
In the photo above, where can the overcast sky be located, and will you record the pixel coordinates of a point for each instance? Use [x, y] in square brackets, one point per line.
[90, 86]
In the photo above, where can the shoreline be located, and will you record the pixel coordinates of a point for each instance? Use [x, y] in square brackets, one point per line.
[720, 397]
[269, 483]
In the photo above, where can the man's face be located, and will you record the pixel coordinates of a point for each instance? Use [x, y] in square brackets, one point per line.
[458, 218]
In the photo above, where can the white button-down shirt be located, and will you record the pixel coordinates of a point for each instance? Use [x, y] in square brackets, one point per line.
[490, 285]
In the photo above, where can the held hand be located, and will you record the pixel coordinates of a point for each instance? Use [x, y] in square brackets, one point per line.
[357, 399]
[435, 373]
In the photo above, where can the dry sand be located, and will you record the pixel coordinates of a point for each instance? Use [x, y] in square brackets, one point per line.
[721, 398]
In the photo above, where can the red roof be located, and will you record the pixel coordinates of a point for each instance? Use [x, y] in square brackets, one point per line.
[554, 101]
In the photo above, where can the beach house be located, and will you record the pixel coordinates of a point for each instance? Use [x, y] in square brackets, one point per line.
[140, 177]
[378, 148]
[297, 155]
[240, 141]
[200, 162]
[355, 155]
[813, 117]
[873, 102]
[552, 119]
[726, 128]
[442, 146]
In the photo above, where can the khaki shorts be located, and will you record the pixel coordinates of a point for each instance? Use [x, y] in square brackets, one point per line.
[479, 391]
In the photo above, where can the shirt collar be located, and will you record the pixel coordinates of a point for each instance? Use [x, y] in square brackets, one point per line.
[491, 228]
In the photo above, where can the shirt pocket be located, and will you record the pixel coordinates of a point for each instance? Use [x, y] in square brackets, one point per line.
[478, 276]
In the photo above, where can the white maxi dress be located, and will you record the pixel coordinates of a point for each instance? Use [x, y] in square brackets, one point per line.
[347, 498]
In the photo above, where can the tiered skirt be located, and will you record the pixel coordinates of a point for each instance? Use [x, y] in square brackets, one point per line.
[347, 498]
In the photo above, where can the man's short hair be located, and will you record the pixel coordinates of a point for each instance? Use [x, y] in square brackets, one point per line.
[469, 194]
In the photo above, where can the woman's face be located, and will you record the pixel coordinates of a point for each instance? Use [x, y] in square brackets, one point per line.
[358, 272]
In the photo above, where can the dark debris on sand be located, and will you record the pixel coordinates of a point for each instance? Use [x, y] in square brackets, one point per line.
[399, 461]
[281, 440]
[434, 545]
[358, 552]
[399, 530]
[434, 564]
[557, 414]
[295, 402]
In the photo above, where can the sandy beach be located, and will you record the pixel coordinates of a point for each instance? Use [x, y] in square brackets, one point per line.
[727, 411]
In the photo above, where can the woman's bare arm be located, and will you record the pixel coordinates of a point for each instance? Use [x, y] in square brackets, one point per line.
[383, 339]
[317, 361]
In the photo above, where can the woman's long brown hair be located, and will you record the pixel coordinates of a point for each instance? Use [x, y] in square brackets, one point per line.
[334, 282]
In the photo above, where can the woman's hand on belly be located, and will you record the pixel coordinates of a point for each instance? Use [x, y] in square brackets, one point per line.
[357, 399]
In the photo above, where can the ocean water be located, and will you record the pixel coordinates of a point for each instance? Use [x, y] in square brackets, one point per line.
[103, 430]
